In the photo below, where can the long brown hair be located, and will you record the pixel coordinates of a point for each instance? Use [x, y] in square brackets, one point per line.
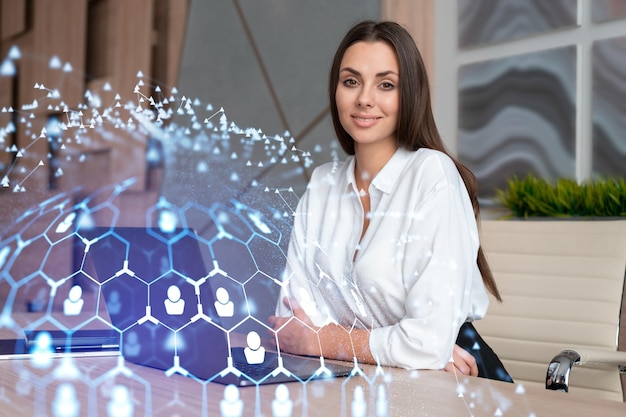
[416, 124]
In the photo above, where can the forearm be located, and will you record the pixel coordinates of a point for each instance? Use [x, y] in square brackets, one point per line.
[297, 334]
[339, 343]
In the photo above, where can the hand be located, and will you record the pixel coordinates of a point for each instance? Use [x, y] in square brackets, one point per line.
[463, 362]
[296, 334]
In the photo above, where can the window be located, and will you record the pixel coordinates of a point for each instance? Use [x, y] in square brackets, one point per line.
[528, 86]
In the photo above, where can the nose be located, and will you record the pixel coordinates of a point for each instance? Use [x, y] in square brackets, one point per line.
[365, 98]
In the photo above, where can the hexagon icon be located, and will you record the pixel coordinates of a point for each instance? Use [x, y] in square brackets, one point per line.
[28, 258]
[187, 257]
[75, 301]
[223, 299]
[251, 350]
[125, 300]
[63, 258]
[261, 293]
[31, 301]
[234, 258]
[37, 225]
[173, 300]
[268, 257]
[203, 349]
[229, 224]
[149, 344]
[104, 253]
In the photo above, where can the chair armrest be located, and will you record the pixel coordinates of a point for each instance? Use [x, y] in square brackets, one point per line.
[557, 377]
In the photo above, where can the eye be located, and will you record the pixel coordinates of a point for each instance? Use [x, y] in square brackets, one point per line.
[349, 82]
[387, 85]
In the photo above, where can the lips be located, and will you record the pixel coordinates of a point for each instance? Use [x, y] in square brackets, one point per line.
[364, 120]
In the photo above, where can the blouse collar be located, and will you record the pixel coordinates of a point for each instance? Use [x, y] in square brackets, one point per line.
[388, 175]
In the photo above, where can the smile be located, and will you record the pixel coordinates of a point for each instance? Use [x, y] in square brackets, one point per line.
[365, 121]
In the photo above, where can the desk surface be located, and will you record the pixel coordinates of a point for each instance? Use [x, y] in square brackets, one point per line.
[27, 390]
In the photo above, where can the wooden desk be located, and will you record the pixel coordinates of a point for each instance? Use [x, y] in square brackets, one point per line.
[25, 390]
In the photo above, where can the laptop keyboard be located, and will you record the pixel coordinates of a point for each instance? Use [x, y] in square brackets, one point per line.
[255, 371]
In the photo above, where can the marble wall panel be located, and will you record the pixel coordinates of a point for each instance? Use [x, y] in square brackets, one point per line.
[609, 107]
[487, 21]
[517, 116]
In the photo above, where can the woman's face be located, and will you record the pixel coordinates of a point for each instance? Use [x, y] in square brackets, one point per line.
[368, 94]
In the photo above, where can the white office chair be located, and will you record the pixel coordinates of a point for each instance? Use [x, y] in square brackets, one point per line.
[562, 284]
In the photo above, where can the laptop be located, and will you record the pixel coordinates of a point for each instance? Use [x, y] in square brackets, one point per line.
[55, 317]
[196, 304]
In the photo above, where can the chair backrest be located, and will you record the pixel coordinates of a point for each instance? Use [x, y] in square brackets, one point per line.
[562, 285]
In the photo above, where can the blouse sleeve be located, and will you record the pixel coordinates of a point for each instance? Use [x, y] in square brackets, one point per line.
[440, 278]
[295, 258]
[301, 272]
[297, 275]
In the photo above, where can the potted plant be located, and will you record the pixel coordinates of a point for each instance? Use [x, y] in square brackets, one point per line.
[536, 197]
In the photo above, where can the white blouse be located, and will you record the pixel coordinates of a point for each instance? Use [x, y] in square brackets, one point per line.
[412, 279]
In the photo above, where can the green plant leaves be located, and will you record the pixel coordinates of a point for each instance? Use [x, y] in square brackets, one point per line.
[536, 197]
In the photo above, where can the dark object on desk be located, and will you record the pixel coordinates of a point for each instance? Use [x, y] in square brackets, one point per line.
[12, 346]
[86, 340]
[89, 342]
[489, 365]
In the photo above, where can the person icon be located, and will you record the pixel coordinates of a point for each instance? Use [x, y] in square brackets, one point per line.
[231, 405]
[67, 369]
[73, 304]
[65, 403]
[4, 255]
[382, 404]
[255, 353]
[132, 346]
[282, 406]
[223, 306]
[66, 223]
[121, 403]
[174, 304]
[24, 384]
[42, 350]
[167, 221]
[113, 303]
[38, 304]
[359, 406]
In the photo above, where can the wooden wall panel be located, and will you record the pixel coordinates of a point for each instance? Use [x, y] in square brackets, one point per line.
[133, 42]
[419, 18]
[131, 46]
[105, 41]
[6, 94]
[12, 18]
[170, 26]
[60, 28]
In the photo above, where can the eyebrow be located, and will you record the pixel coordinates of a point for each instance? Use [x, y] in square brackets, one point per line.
[357, 73]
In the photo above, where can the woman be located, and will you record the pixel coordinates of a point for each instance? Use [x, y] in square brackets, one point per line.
[384, 263]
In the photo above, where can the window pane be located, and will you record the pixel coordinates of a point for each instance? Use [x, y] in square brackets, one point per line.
[609, 107]
[517, 116]
[487, 21]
